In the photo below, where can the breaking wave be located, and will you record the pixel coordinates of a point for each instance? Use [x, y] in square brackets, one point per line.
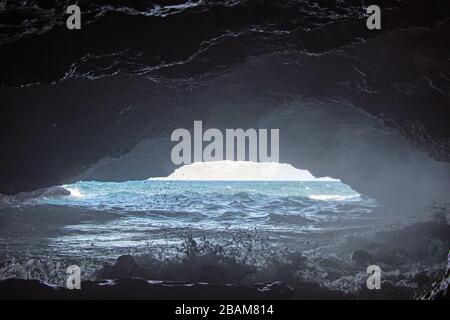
[302, 233]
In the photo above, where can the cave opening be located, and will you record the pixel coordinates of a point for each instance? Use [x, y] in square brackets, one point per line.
[87, 117]
[209, 203]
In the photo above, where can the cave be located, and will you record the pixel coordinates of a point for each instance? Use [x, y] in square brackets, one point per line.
[369, 108]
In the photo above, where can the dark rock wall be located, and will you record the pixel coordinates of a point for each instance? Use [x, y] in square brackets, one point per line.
[372, 107]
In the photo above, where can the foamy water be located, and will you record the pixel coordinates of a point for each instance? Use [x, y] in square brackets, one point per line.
[108, 218]
[251, 221]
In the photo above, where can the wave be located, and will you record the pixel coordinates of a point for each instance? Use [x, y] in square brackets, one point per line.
[272, 203]
[75, 192]
[314, 266]
[32, 197]
[290, 219]
[333, 197]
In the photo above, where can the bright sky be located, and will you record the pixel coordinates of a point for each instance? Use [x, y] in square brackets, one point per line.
[241, 170]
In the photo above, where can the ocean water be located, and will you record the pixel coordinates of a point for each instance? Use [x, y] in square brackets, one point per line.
[297, 232]
[102, 220]
[110, 218]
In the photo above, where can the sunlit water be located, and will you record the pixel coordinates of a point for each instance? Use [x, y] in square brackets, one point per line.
[255, 222]
[106, 218]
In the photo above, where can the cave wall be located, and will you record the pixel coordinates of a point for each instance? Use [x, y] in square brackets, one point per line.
[368, 107]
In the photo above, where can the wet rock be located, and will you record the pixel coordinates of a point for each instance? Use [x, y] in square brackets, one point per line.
[124, 267]
[125, 262]
[362, 258]
[212, 273]
[142, 289]
[278, 289]
[439, 290]
[388, 258]
[55, 192]
[32, 196]
[229, 273]
[422, 280]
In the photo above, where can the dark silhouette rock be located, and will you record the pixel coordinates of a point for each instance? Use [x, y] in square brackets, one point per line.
[53, 139]
[55, 192]
[135, 288]
[362, 258]
[212, 273]
[125, 267]
[439, 290]
[422, 280]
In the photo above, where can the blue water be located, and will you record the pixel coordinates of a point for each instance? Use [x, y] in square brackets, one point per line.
[110, 218]
[210, 203]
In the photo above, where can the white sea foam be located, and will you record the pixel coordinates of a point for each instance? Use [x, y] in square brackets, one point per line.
[332, 197]
[74, 192]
